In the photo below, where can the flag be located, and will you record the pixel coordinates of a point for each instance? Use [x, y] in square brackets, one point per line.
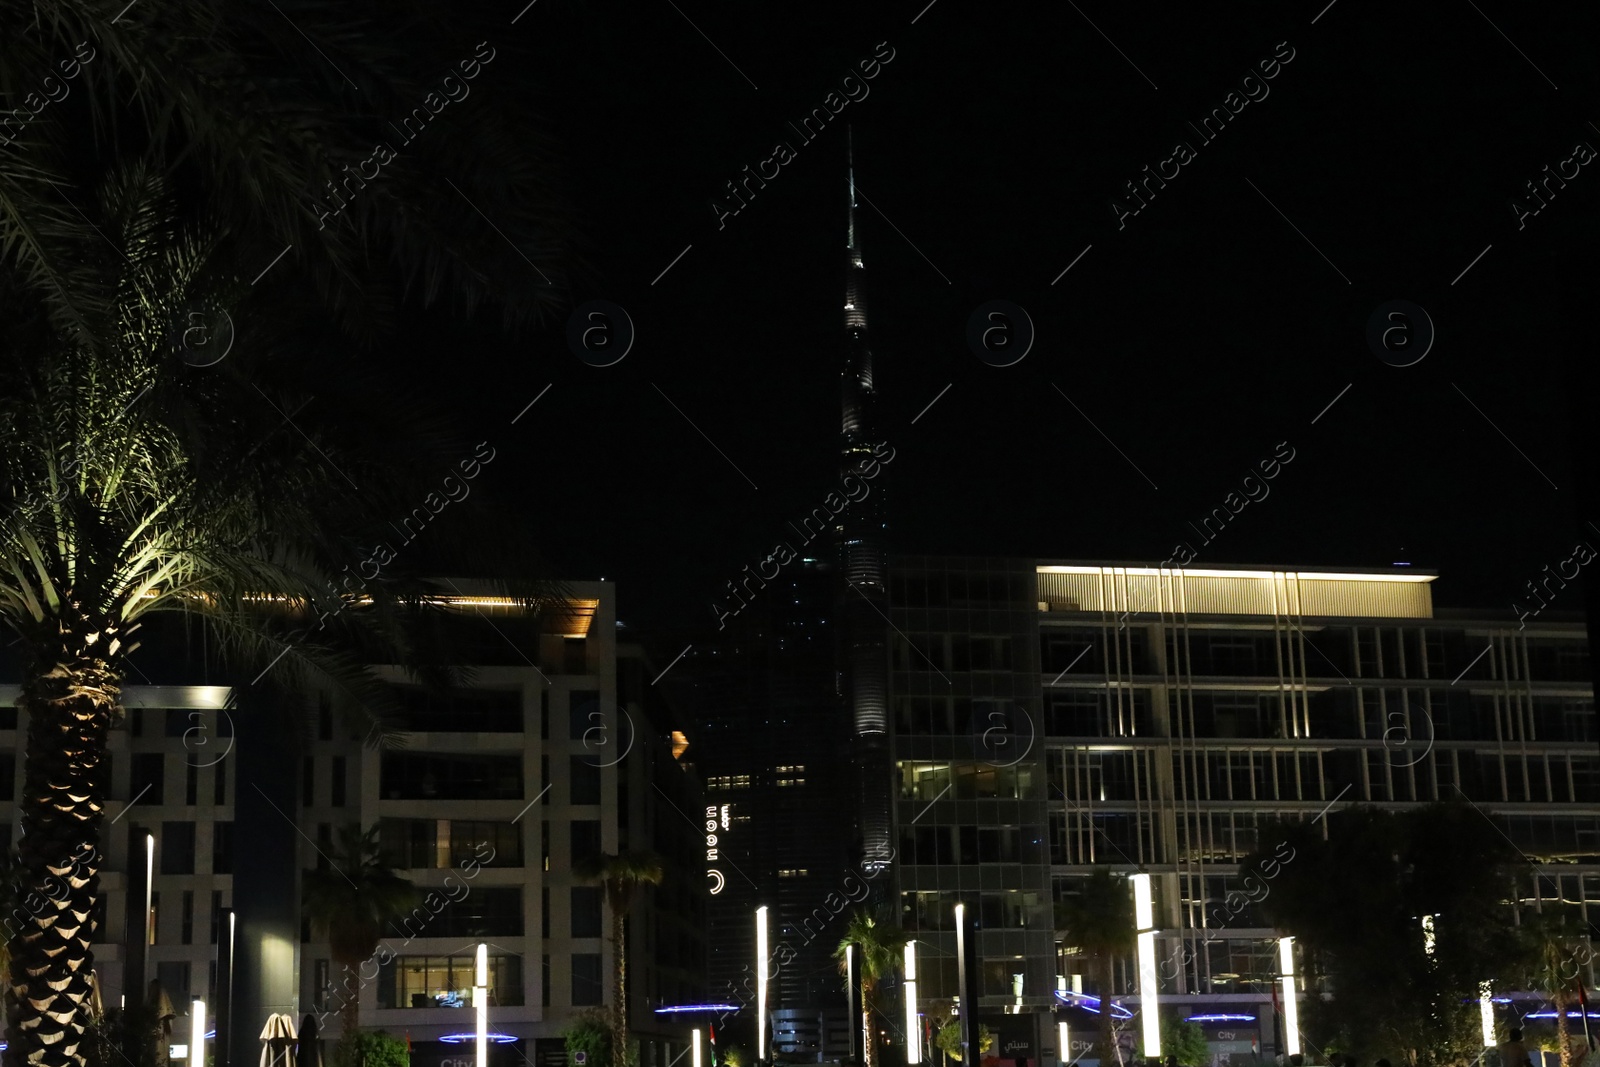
[1277, 1008]
[711, 1036]
[408, 1042]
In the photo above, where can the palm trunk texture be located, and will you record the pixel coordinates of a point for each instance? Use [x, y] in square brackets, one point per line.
[71, 696]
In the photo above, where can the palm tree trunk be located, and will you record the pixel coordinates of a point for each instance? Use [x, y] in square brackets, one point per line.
[619, 988]
[70, 694]
[1109, 1053]
[1563, 1029]
[869, 1046]
[350, 1007]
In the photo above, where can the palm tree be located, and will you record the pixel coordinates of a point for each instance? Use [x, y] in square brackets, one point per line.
[131, 485]
[1099, 923]
[349, 902]
[274, 115]
[622, 876]
[879, 947]
[1548, 941]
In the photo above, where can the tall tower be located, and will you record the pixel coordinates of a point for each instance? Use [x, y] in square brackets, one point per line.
[863, 607]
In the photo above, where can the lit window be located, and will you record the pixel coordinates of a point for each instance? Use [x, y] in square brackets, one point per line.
[793, 872]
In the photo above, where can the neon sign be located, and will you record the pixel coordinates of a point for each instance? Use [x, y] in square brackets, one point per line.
[715, 820]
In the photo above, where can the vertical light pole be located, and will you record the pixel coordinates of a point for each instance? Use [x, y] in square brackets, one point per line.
[695, 1042]
[761, 984]
[197, 1033]
[913, 1031]
[1144, 919]
[850, 988]
[480, 1004]
[149, 877]
[1063, 1046]
[967, 983]
[1291, 1007]
[1486, 1013]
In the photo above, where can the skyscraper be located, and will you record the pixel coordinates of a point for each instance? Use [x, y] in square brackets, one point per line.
[863, 594]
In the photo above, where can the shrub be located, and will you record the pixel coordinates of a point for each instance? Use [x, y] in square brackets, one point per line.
[371, 1049]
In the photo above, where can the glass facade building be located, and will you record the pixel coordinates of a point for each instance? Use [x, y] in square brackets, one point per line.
[1055, 719]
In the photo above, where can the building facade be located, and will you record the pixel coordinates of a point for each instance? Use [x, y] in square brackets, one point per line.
[557, 750]
[1054, 719]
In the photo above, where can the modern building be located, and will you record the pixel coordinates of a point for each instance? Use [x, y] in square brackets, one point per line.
[779, 803]
[1053, 719]
[556, 749]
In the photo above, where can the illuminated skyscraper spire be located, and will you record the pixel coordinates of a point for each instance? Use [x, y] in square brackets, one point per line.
[863, 608]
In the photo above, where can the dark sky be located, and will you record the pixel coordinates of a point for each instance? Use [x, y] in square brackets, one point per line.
[1196, 338]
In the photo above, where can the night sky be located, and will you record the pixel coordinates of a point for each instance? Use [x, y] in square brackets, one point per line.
[1377, 164]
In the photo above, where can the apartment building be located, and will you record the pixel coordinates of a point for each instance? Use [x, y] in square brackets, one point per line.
[555, 749]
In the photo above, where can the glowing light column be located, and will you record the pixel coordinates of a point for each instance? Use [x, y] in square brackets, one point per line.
[197, 1034]
[913, 1031]
[1144, 920]
[1291, 1007]
[1486, 1014]
[761, 984]
[696, 1043]
[480, 1004]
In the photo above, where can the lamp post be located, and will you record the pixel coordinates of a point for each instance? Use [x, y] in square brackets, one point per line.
[967, 985]
[197, 1033]
[695, 1043]
[761, 984]
[1144, 922]
[480, 1004]
[1291, 1007]
[913, 1031]
[1486, 1013]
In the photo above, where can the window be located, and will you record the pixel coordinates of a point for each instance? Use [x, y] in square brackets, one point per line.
[446, 981]
[585, 780]
[174, 979]
[437, 776]
[321, 984]
[544, 981]
[324, 718]
[583, 713]
[337, 784]
[186, 919]
[191, 784]
[487, 911]
[149, 770]
[544, 911]
[585, 911]
[544, 715]
[479, 711]
[216, 916]
[574, 657]
[222, 848]
[177, 848]
[308, 781]
[585, 839]
[585, 979]
[544, 844]
[219, 784]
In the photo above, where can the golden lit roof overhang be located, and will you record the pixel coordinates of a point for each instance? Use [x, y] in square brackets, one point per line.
[1211, 572]
[571, 618]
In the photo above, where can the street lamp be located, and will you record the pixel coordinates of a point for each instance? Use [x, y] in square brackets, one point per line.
[197, 1033]
[1144, 921]
[1486, 1013]
[480, 1004]
[913, 1031]
[696, 1044]
[761, 984]
[1291, 1007]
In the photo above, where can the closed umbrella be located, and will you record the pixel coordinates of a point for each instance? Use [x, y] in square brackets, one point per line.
[278, 1041]
[310, 1042]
